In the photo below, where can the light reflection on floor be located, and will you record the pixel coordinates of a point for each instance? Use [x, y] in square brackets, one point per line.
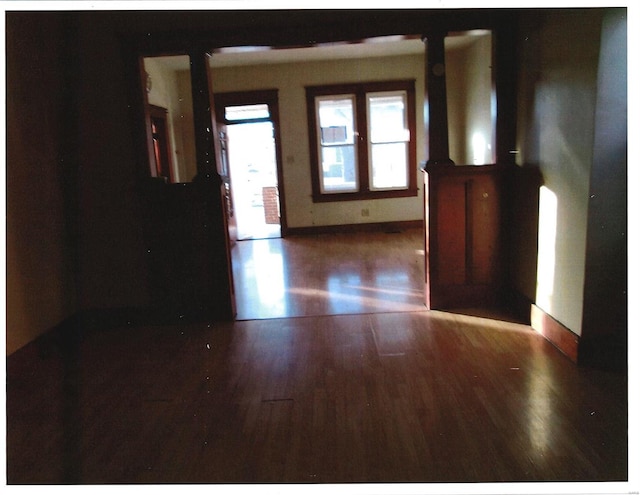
[267, 268]
[279, 278]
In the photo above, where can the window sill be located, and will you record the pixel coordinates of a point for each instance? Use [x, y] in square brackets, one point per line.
[357, 196]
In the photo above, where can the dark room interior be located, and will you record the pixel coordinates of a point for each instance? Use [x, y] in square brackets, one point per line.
[492, 183]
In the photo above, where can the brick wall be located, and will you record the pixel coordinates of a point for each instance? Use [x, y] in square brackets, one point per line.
[271, 206]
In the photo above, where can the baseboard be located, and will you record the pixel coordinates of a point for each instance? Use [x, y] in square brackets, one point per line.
[356, 227]
[555, 332]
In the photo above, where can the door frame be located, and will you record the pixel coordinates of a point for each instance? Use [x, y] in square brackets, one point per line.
[267, 97]
[200, 45]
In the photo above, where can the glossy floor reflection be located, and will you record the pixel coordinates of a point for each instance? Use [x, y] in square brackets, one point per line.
[418, 397]
[329, 275]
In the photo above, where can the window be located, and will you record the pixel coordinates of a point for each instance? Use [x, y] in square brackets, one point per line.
[246, 112]
[362, 140]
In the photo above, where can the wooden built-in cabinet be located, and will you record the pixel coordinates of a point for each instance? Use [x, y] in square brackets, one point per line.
[463, 235]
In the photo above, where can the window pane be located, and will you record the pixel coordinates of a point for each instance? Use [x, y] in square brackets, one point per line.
[339, 169]
[382, 152]
[335, 118]
[387, 117]
[389, 166]
[247, 112]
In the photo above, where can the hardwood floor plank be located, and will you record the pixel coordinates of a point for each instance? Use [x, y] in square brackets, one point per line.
[404, 397]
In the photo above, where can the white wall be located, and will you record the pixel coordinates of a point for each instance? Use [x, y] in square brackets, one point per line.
[183, 125]
[455, 62]
[290, 80]
[479, 128]
[557, 97]
[469, 93]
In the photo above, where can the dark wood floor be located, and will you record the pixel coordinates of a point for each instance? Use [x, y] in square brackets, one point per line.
[339, 374]
[388, 397]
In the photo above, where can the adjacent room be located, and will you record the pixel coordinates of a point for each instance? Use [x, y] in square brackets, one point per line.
[261, 109]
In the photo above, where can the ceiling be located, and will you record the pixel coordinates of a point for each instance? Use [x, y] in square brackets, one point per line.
[377, 47]
[374, 47]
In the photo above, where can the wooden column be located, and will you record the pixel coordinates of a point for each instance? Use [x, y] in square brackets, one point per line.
[185, 226]
[203, 115]
[209, 221]
[437, 143]
[436, 96]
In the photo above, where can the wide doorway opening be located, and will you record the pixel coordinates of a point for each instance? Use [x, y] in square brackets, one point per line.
[247, 133]
[361, 255]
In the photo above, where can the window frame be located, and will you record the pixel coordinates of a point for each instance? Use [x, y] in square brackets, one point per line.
[360, 91]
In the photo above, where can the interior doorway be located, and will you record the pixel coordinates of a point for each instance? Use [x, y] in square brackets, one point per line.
[248, 127]
[241, 111]
[254, 180]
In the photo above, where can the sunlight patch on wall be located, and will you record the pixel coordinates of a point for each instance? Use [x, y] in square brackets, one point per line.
[479, 144]
[547, 224]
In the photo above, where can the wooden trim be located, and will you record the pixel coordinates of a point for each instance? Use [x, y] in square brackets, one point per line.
[274, 110]
[357, 196]
[413, 129]
[301, 28]
[388, 227]
[364, 87]
[359, 90]
[429, 237]
[468, 230]
[440, 170]
[233, 98]
[149, 158]
[361, 142]
[555, 332]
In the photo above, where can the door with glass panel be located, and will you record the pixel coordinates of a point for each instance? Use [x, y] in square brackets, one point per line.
[250, 123]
